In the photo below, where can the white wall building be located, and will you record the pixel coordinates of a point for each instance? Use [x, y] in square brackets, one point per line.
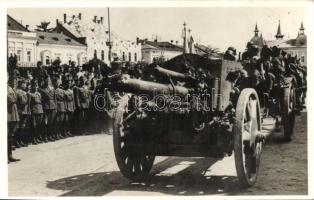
[159, 50]
[95, 35]
[55, 46]
[22, 43]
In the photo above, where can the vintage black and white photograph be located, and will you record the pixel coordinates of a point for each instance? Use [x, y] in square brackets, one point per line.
[157, 101]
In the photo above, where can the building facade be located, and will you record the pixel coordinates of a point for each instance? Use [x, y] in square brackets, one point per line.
[96, 36]
[55, 46]
[159, 50]
[295, 47]
[22, 43]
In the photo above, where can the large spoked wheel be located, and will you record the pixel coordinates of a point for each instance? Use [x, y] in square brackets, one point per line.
[131, 161]
[288, 118]
[247, 140]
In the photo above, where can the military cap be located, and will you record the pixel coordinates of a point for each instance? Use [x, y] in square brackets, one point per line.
[34, 83]
[21, 81]
[232, 49]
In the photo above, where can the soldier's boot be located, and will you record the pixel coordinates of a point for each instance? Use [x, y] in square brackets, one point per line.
[34, 136]
[60, 130]
[17, 140]
[38, 136]
[10, 157]
[49, 134]
[43, 132]
[27, 137]
[20, 134]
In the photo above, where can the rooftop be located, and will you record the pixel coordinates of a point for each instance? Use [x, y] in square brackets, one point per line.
[166, 46]
[56, 38]
[14, 25]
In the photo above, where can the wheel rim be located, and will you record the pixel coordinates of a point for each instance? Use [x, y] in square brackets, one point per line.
[132, 162]
[247, 137]
[250, 149]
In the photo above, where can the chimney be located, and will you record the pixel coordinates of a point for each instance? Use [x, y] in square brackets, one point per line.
[98, 21]
[155, 40]
[177, 42]
[73, 16]
[80, 16]
[137, 40]
[171, 41]
[239, 57]
[95, 19]
[27, 26]
[101, 20]
[57, 21]
[64, 18]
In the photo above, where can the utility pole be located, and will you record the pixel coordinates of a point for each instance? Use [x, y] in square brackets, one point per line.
[184, 38]
[109, 43]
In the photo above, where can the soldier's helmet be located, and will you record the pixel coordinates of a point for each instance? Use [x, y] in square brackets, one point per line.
[233, 50]
[276, 51]
[34, 83]
[21, 81]
[249, 44]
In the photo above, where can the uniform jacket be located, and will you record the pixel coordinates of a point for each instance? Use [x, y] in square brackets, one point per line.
[23, 103]
[69, 100]
[82, 96]
[48, 98]
[60, 100]
[36, 103]
[13, 115]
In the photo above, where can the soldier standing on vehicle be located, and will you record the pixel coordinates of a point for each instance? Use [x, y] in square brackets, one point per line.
[24, 113]
[12, 117]
[37, 113]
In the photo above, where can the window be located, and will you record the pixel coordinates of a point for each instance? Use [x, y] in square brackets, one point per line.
[55, 38]
[95, 53]
[19, 55]
[130, 56]
[302, 59]
[135, 57]
[123, 56]
[29, 58]
[102, 55]
[47, 60]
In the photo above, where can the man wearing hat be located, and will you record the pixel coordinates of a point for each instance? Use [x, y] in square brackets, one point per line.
[82, 103]
[50, 105]
[12, 117]
[24, 112]
[69, 107]
[37, 113]
[60, 108]
[278, 65]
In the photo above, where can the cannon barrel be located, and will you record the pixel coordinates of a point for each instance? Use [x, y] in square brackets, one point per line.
[173, 74]
[136, 86]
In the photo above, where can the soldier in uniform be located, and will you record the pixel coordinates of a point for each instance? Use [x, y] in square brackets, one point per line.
[82, 98]
[278, 65]
[37, 113]
[12, 117]
[24, 113]
[60, 108]
[50, 106]
[69, 107]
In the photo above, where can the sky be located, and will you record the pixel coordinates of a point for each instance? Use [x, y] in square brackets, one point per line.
[219, 27]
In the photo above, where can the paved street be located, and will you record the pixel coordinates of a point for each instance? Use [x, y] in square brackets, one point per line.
[85, 166]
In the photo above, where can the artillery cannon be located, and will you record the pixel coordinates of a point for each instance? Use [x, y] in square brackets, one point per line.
[186, 116]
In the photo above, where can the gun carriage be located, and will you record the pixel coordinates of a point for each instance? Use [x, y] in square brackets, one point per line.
[189, 108]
